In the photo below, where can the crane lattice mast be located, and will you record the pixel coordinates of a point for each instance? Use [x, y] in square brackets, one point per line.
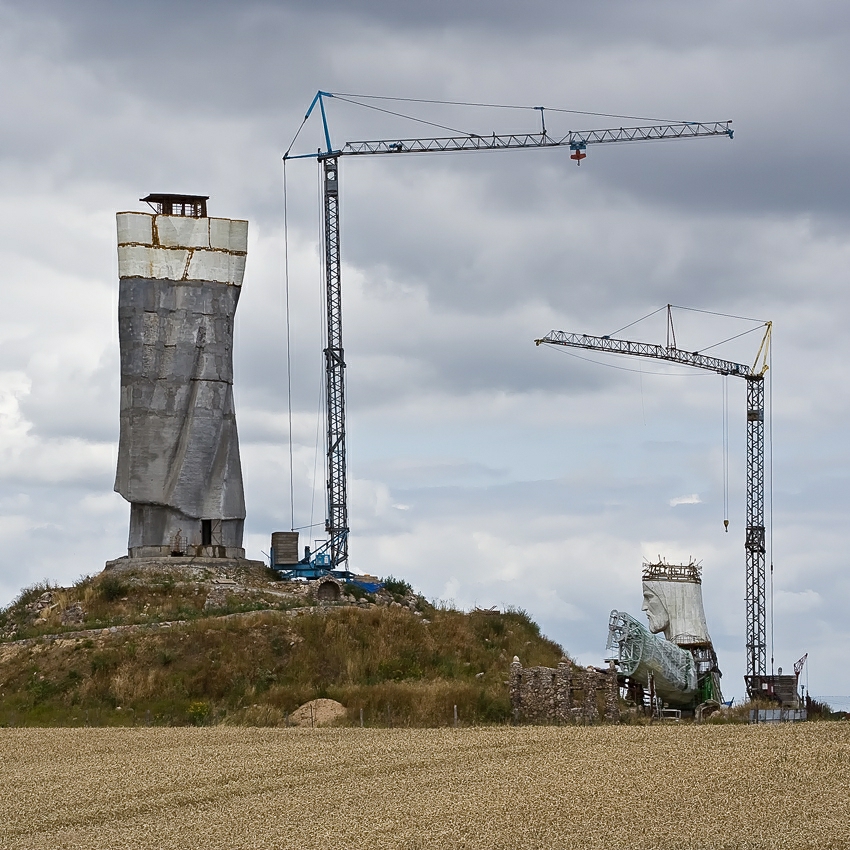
[335, 550]
[754, 539]
[336, 524]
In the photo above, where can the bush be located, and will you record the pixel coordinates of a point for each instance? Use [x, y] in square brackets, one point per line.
[358, 592]
[111, 588]
[105, 661]
[822, 711]
[397, 586]
[31, 593]
[198, 712]
[520, 615]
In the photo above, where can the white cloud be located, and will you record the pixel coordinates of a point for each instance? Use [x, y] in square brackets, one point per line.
[692, 499]
[795, 603]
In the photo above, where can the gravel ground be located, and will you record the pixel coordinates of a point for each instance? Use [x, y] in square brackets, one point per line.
[498, 787]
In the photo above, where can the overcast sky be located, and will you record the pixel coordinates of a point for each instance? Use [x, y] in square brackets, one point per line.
[482, 469]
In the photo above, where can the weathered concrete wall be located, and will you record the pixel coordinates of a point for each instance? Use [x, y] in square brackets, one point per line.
[549, 695]
[178, 455]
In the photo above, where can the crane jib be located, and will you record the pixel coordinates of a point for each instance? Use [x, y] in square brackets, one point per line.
[575, 140]
[645, 349]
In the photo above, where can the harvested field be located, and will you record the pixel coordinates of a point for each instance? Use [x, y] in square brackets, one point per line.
[498, 787]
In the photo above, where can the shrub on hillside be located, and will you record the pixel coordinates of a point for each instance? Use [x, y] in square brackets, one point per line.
[111, 588]
[198, 712]
[31, 593]
[397, 586]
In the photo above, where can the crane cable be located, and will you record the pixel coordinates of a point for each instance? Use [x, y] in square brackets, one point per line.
[342, 95]
[288, 349]
[726, 453]
[322, 411]
[402, 115]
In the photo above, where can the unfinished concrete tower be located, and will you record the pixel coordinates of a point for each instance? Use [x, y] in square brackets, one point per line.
[178, 456]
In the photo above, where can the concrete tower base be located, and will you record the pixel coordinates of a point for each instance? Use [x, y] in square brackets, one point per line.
[157, 531]
[164, 564]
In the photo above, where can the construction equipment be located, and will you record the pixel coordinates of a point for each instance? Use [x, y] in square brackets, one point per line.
[334, 552]
[754, 541]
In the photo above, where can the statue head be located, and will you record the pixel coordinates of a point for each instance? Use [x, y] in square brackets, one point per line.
[672, 600]
[655, 608]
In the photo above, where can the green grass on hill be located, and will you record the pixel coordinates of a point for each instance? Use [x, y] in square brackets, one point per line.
[400, 668]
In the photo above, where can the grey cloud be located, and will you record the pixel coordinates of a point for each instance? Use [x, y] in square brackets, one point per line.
[657, 24]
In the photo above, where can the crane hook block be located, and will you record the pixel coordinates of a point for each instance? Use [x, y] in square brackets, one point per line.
[726, 525]
[578, 156]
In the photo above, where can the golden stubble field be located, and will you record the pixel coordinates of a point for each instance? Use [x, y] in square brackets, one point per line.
[226, 788]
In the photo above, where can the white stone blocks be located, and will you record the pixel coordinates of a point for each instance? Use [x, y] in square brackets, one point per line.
[179, 231]
[154, 263]
[135, 229]
[229, 235]
[181, 248]
[219, 266]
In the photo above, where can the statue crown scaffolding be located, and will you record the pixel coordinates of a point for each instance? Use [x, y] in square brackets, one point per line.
[660, 570]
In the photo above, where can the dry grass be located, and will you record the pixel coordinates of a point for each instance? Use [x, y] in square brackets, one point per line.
[498, 787]
[399, 669]
[128, 597]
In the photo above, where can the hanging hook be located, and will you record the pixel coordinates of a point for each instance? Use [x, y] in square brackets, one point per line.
[578, 149]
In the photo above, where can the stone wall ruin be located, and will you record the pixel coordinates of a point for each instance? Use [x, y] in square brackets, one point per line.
[563, 695]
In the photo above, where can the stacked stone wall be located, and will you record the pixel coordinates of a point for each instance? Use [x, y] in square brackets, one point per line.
[563, 694]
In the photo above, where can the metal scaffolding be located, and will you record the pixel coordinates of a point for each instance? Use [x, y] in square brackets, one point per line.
[640, 654]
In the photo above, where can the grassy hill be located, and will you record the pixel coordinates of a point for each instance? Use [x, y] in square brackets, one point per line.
[190, 646]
